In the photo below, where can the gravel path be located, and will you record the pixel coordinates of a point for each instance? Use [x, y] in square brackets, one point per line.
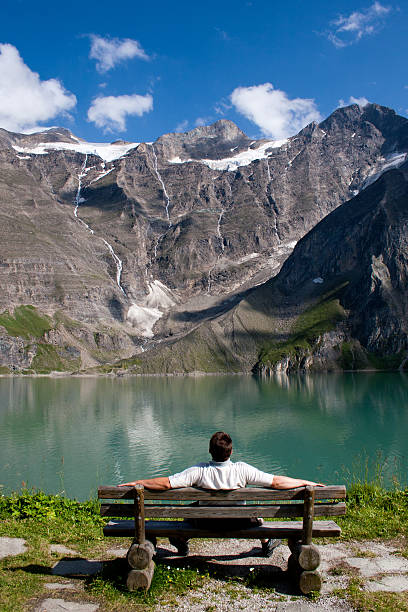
[231, 564]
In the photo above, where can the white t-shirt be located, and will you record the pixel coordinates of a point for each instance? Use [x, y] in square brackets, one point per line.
[221, 475]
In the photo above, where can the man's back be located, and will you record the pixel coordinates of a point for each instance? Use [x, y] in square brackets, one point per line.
[221, 475]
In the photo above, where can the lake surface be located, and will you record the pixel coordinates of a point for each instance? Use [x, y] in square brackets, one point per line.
[72, 434]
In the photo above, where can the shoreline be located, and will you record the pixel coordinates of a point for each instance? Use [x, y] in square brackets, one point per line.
[199, 374]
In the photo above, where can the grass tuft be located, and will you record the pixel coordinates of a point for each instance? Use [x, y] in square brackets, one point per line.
[25, 322]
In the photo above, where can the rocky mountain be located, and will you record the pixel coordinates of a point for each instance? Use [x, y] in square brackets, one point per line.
[340, 300]
[161, 253]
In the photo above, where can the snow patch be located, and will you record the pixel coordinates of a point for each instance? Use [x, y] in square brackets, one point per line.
[318, 280]
[105, 151]
[101, 175]
[143, 317]
[159, 296]
[241, 159]
[288, 245]
[395, 160]
[247, 258]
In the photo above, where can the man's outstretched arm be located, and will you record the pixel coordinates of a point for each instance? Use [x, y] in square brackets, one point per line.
[285, 482]
[161, 483]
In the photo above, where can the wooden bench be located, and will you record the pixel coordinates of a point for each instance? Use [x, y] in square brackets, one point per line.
[305, 502]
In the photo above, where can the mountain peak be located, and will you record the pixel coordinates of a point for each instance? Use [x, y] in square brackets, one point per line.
[213, 141]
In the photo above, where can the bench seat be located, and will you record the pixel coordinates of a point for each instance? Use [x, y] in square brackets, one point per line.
[270, 529]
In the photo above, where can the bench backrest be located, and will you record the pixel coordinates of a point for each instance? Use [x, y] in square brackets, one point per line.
[292, 506]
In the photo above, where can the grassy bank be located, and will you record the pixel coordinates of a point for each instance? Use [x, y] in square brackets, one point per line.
[43, 520]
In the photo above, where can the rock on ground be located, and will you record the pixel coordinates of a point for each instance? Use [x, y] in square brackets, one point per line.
[10, 547]
[60, 605]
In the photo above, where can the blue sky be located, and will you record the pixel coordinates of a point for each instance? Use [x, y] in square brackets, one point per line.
[135, 70]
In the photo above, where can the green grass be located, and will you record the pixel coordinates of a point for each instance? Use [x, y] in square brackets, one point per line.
[25, 322]
[374, 512]
[312, 323]
[42, 520]
[48, 359]
[372, 602]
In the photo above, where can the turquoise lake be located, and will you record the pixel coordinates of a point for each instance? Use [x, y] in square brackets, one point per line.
[69, 435]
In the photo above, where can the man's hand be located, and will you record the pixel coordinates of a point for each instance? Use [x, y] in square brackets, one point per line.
[161, 483]
[130, 484]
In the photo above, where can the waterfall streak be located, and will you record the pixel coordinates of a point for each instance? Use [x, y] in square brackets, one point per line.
[166, 195]
[78, 201]
[268, 170]
[118, 263]
[221, 237]
[219, 229]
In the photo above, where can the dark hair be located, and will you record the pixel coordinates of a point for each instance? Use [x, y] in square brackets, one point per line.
[220, 446]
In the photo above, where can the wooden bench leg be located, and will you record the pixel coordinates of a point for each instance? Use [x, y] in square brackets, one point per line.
[140, 578]
[310, 581]
[140, 555]
[302, 565]
[140, 559]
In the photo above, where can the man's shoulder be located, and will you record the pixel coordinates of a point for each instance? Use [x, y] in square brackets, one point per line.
[242, 465]
[202, 464]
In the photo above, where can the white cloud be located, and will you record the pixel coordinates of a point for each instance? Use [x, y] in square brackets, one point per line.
[110, 51]
[110, 112]
[272, 110]
[25, 100]
[200, 121]
[352, 100]
[349, 30]
[182, 126]
[222, 107]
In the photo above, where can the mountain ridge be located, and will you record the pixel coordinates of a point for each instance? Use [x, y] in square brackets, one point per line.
[138, 250]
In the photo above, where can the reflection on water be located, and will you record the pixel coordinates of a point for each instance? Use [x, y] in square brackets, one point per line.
[73, 434]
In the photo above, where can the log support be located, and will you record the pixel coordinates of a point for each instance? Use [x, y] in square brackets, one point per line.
[310, 581]
[140, 578]
[305, 556]
[140, 555]
[141, 552]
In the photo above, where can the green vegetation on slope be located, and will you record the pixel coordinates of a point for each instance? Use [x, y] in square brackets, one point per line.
[312, 323]
[199, 351]
[25, 322]
[354, 357]
[49, 359]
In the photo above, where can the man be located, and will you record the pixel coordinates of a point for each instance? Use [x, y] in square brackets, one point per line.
[222, 474]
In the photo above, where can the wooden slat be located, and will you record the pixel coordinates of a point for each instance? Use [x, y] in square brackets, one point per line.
[265, 511]
[247, 493]
[275, 529]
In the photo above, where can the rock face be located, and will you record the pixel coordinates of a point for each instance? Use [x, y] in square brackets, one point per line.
[134, 249]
